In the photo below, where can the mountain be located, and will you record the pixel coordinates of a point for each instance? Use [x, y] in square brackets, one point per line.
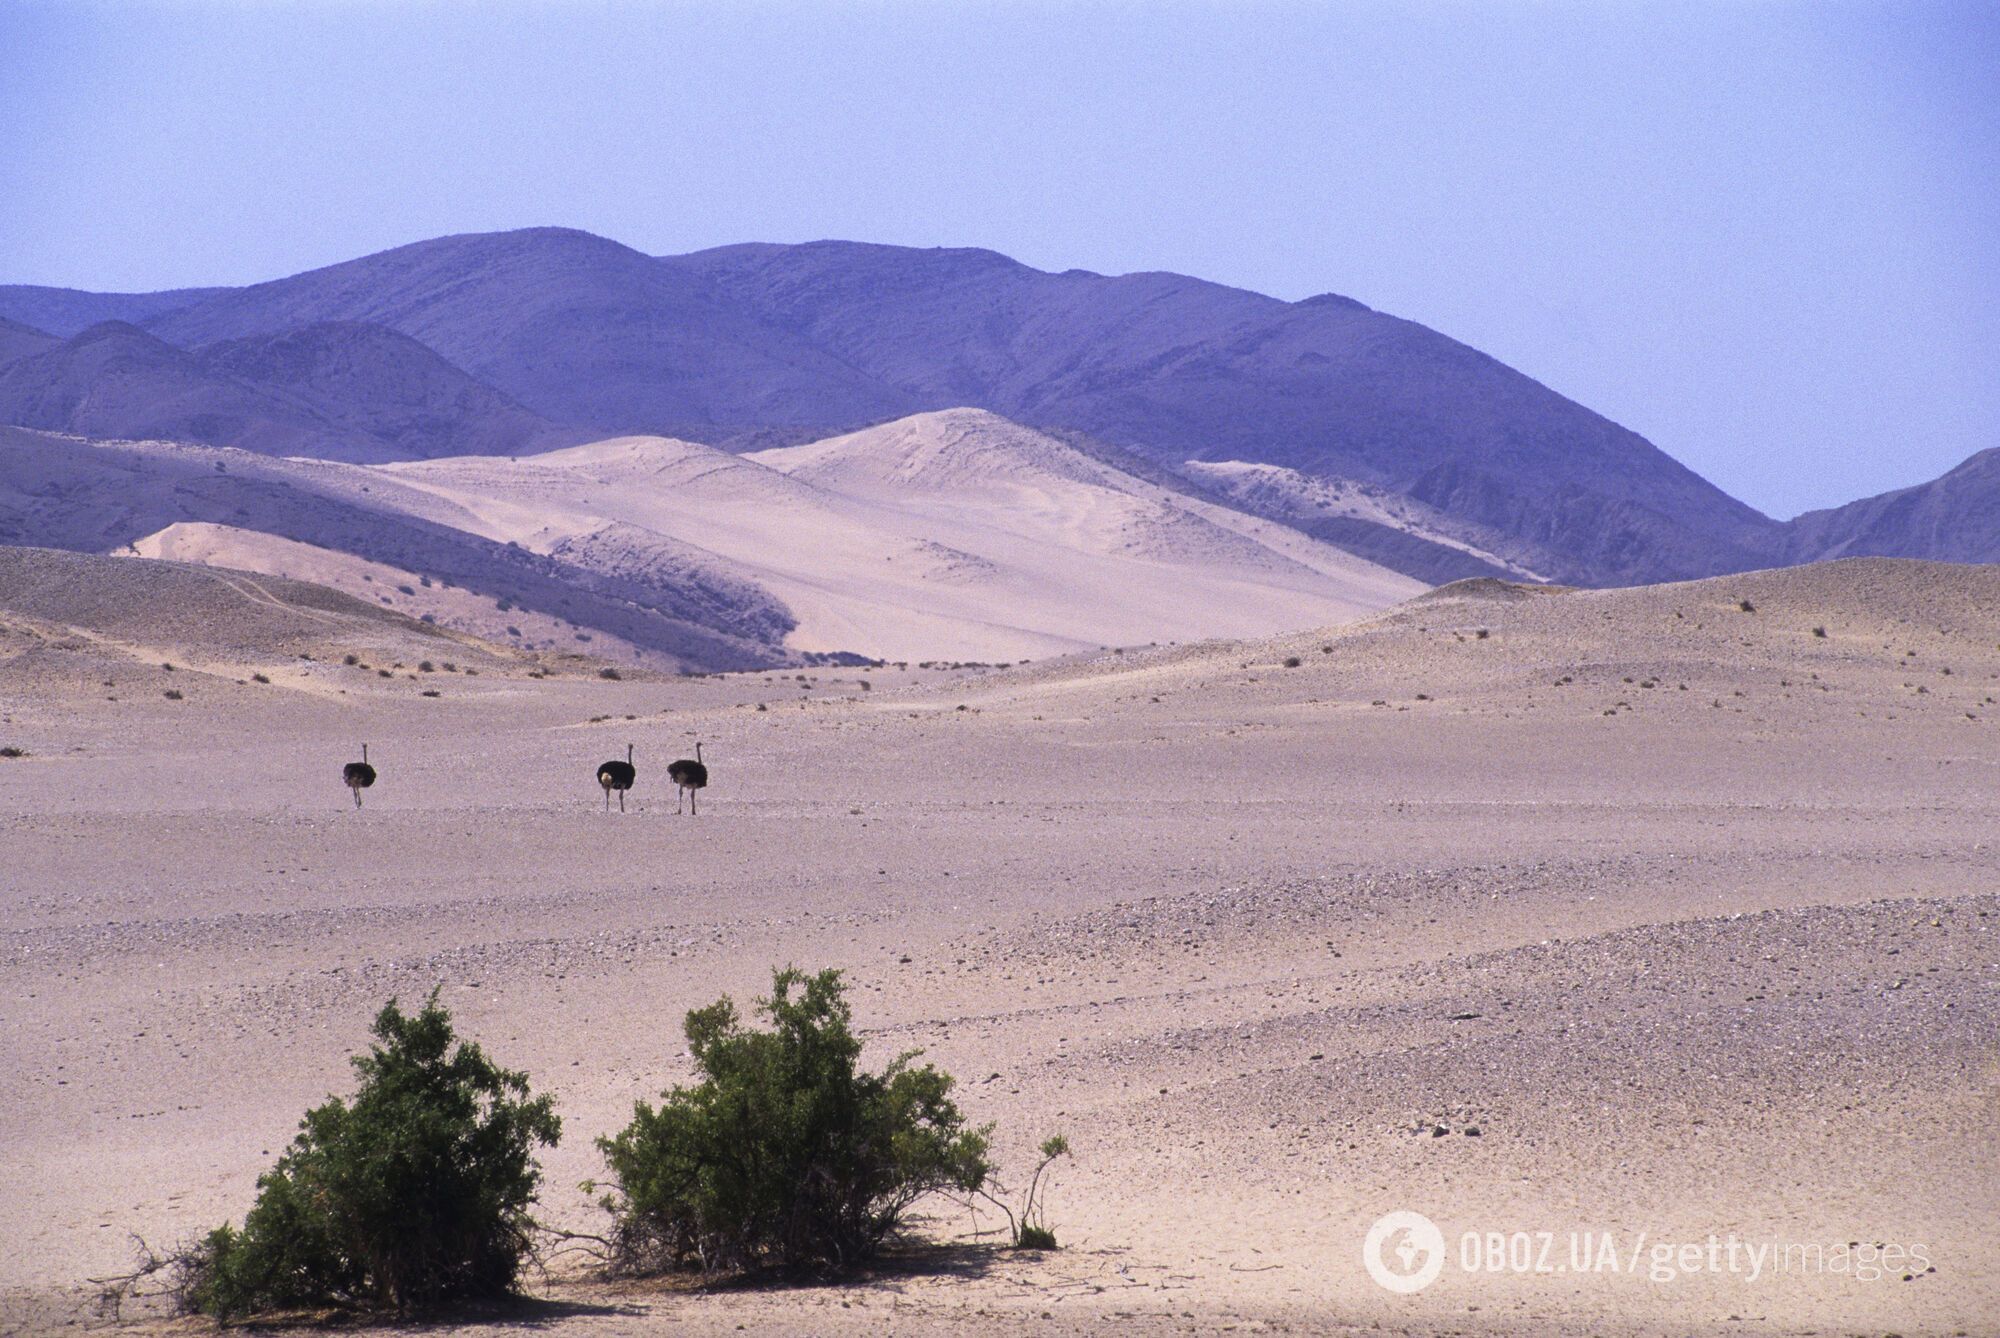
[1362, 430]
[66, 311]
[375, 382]
[335, 391]
[763, 345]
[580, 329]
[18, 341]
[1953, 518]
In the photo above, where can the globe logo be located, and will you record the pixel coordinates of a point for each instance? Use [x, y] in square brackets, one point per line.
[1403, 1251]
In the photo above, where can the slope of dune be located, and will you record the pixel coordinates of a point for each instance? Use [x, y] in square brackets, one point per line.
[1365, 519]
[425, 554]
[203, 615]
[949, 535]
[1891, 638]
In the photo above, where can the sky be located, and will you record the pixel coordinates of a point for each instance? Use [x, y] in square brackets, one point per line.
[1764, 235]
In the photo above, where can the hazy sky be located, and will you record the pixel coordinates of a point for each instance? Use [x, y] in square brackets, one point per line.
[1764, 235]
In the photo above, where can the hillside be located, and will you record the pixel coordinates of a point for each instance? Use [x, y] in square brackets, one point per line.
[68, 311]
[18, 341]
[331, 391]
[160, 617]
[1953, 518]
[763, 345]
[1889, 640]
[362, 531]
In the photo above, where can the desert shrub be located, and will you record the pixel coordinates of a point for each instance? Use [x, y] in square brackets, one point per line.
[785, 1153]
[260, 678]
[11, 751]
[173, 694]
[1820, 632]
[1746, 606]
[426, 667]
[413, 1192]
[1293, 662]
[1029, 1228]
[608, 672]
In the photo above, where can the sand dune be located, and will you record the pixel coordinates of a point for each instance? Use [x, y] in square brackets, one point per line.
[953, 535]
[163, 634]
[1512, 930]
[376, 538]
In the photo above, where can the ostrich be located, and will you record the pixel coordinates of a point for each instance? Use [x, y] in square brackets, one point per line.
[616, 775]
[358, 776]
[689, 776]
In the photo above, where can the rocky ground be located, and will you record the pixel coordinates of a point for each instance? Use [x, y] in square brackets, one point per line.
[1474, 910]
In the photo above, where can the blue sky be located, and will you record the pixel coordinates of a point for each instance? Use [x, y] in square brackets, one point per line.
[1764, 235]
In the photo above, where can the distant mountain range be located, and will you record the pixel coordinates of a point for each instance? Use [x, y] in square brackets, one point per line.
[1368, 432]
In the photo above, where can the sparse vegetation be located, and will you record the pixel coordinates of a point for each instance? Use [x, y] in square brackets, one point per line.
[173, 695]
[1029, 1229]
[1820, 632]
[1293, 662]
[414, 1192]
[1746, 606]
[785, 1153]
[350, 660]
[11, 751]
[608, 672]
[426, 667]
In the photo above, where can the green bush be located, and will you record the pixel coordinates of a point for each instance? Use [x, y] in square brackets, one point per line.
[785, 1154]
[414, 1192]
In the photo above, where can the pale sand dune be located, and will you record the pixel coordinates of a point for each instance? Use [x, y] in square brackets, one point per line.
[953, 535]
[1722, 960]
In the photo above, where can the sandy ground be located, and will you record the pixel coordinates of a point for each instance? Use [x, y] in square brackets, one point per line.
[1268, 943]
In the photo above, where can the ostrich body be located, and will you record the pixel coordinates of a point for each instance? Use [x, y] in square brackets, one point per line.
[690, 777]
[358, 776]
[616, 775]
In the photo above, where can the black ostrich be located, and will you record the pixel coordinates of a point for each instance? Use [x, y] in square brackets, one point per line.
[616, 775]
[358, 776]
[689, 776]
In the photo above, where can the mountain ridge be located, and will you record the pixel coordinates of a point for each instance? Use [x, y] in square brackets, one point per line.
[755, 346]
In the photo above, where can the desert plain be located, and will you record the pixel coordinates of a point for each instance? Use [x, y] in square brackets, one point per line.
[1656, 914]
